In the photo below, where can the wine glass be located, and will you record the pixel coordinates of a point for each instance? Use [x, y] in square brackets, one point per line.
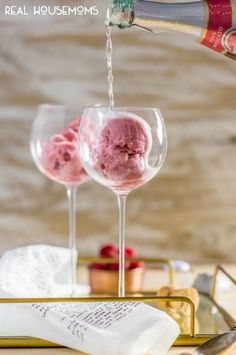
[53, 144]
[122, 149]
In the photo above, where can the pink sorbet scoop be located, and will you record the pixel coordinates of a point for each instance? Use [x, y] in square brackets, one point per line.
[60, 158]
[123, 148]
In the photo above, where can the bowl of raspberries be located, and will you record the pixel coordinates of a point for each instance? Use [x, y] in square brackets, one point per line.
[104, 275]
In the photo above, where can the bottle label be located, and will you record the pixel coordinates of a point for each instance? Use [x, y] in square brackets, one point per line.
[220, 35]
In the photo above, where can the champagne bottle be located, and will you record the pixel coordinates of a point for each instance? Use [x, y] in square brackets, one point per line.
[211, 22]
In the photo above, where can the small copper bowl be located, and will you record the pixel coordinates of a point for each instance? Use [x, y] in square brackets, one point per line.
[106, 281]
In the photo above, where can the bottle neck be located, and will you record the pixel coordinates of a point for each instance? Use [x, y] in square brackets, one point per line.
[211, 22]
[120, 13]
[190, 18]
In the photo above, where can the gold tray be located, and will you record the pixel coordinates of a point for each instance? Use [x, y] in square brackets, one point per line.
[213, 318]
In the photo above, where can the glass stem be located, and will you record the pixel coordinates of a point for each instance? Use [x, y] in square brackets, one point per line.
[71, 194]
[122, 205]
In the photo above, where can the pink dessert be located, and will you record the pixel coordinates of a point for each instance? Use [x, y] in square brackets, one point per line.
[60, 158]
[122, 150]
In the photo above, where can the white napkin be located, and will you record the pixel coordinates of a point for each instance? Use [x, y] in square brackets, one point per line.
[126, 328]
[37, 271]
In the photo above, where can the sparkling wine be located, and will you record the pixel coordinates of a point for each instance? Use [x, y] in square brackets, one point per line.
[210, 22]
[109, 67]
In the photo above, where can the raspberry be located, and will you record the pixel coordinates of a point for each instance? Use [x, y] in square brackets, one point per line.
[112, 267]
[115, 267]
[109, 251]
[98, 266]
[130, 252]
[136, 264]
